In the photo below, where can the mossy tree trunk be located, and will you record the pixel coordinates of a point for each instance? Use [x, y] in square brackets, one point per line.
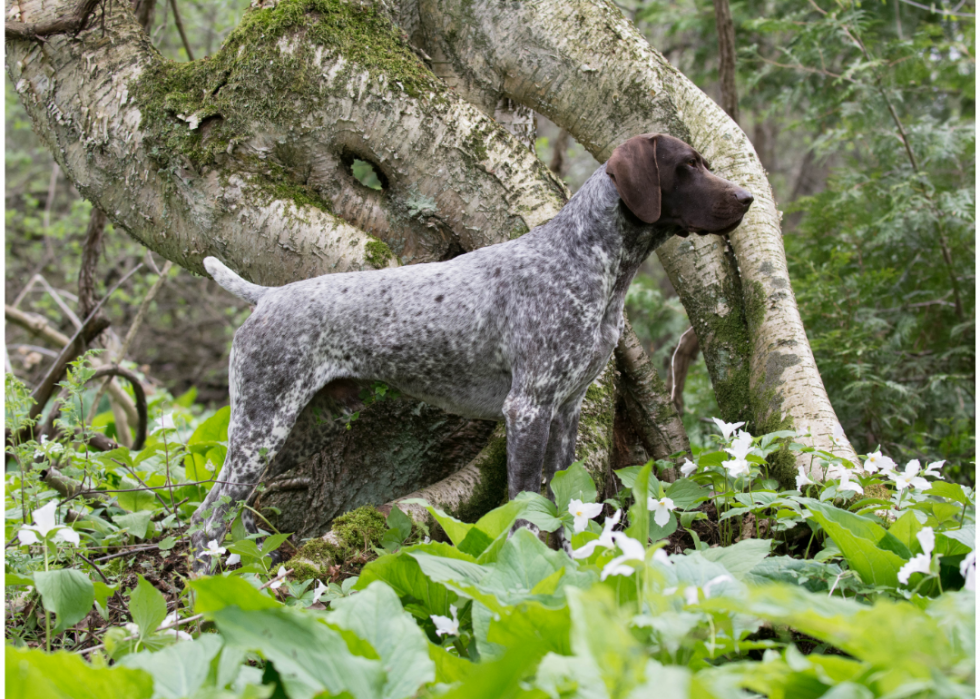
[248, 155]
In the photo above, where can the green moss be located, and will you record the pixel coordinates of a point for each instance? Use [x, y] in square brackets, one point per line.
[377, 253]
[305, 571]
[491, 491]
[476, 143]
[359, 530]
[252, 81]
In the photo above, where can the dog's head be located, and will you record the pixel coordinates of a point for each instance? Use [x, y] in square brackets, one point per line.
[663, 180]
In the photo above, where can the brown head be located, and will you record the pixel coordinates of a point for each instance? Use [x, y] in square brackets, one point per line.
[663, 180]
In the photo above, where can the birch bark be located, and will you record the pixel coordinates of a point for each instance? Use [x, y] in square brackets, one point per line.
[587, 68]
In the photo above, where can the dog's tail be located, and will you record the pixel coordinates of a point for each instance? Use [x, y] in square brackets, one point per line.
[232, 282]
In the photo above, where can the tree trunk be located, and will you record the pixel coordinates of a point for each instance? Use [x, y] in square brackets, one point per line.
[585, 67]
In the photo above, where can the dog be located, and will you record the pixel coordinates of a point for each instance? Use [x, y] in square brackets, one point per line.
[513, 332]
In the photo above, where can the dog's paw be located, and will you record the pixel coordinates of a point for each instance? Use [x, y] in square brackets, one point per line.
[563, 541]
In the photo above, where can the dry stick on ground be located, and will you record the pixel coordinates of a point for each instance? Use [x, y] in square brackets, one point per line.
[100, 441]
[69, 24]
[40, 327]
[133, 328]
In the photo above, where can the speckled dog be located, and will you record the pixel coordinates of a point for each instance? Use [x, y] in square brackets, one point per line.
[513, 332]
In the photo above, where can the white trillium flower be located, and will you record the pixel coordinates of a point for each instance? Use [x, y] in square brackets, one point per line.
[133, 629]
[727, 427]
[605, 539]
[632, 551]
[583, 512]
[933, 469]
[318, 591]
[233, 559]
[837, 436]
[171, 621]
[802, 479]
[741, 445]
[445, 625]
[909, 477]
[166, 422]
[44, 522]
[919, 563]
[280, 577]
[877, 462]
[803, 431]
[691, 592]
[846, 484]
[688, 468]
[968, 569]
[661, 509]
[212, 549]
[660, 556]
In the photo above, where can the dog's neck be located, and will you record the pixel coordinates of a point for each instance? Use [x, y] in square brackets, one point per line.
[610, 238]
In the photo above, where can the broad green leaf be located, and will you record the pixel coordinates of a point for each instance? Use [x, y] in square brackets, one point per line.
[103, 592]
[399, 522]
[539, 511]
[273, 542]
[738, 559]
[14, 580]
[557, 674]
[33, 674]
[135, 523]
[601, 639]
[449, 668]
[501, 678]
[247, 549]
[952, 491]
[574, 483]
[147, 606]
[68, 593]
[500, 519]
[309, 656]
[656, 532]
[686, 493]
[905, 528]
[787, 569]
[405, 576]
[375, 614]
[639, 528]
[216, 592]
[178, 670]
[967, 535]
[863, 544]
[455, 530]
[214, 429]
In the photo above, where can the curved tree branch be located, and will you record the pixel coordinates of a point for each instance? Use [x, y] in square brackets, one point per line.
[70, 23]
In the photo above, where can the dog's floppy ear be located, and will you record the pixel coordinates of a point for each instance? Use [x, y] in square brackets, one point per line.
[633, 168]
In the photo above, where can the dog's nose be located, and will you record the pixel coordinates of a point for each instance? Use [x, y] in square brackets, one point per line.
[744, 198]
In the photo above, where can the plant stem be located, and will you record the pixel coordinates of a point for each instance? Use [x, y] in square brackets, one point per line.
[47, 617]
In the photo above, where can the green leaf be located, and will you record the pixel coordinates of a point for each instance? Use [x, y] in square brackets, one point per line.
[147, 606]
[639, 528]
[686, 493]
[539, 511]
[405, 576]
[905, 528]
[214, 429]
[455, 530]
[400, 523]
[862, 543]
[34, 674]
[179, 670]
[68, 593]
[309, 656]
[273, 542]
[167, 544]
[103, 592]
[136, 523]
[375, 614]
[574, 483]
[217, 592]
[952, 491]
[449, 668]
[14, 580]
[501, 678]
[656, 532]
[738, 559]
[601, 639]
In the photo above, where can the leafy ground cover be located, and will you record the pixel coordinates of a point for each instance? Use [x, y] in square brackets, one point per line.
[718, 584]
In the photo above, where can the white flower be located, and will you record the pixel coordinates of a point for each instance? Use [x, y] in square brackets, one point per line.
[56, 448]
[846, 484]
[909, 477]
[632, 551]
[660, 556]
[688, 468]
[933, 469]
[318, 591]
[213, 549]
[44, 522]
[877, 461]
[582, 513]
[741, 445]
[727, 427]
[804, 431]
[605, 539]
[171, 621]
[736, 467]
[691, 592]
[661, 510]
[280, 576]
[921, 562]
[968, 569]
[838, 437]
[233, 559]
[133, 629]
[802, 479]
[445, 625]
[166, 422]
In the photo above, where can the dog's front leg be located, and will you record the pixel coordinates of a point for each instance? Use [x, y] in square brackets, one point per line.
[528, 425]
[559, 454]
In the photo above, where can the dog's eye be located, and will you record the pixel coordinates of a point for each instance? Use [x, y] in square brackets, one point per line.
[693, 162]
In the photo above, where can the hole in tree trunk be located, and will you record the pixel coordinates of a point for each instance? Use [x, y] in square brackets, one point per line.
[365, 172]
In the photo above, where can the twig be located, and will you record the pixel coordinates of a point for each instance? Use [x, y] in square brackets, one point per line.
[96, 568]
[180, 30]
[152, 547]
[143, 483]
